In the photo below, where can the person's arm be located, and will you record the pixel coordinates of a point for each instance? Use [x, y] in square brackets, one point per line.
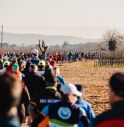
[83, 118]
[36, 115]
[32, 109]
[85, 121]
[25, 99]
[87, 107]
[25, 95]
[91, 113]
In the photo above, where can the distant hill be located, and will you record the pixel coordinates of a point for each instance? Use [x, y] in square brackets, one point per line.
[84, 47]
[29, 39]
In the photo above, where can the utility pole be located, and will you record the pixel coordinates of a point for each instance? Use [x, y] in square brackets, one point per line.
[1, 37]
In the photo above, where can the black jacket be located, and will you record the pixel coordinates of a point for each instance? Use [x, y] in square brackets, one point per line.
[35, 84]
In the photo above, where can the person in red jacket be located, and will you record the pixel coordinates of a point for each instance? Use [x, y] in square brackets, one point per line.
[115, 116]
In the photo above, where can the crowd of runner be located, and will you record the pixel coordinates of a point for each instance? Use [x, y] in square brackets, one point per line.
[32, 87]
[71, 56]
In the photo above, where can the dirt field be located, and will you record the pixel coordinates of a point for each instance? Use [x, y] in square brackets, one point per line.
[95, 81]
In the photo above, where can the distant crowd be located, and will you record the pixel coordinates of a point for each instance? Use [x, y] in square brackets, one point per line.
[71, 56]
[32, 89]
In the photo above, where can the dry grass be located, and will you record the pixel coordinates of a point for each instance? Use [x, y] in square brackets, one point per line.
[95, 81]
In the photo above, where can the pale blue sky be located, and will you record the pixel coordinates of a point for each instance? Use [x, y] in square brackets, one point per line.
[85, 18]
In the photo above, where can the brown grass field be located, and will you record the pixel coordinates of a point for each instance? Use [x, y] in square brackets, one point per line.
[95, 80]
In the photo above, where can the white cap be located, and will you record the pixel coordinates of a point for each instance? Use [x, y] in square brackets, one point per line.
[35, 51]
[70, 88]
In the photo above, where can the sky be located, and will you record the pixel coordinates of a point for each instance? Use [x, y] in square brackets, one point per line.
[82, 18]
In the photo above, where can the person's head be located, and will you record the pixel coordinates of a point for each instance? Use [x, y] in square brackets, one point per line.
[49, 72]
[33, 68]
[22, 65]
[35, 52]
[42, 64]
[51, 80]
[53, 63]
[15, 67]
[70, 92]
[80, 88]
[116, 85]
[10, 92]
[14, 60]
[6, 63]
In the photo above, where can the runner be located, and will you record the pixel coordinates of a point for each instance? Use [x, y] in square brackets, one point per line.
[41, 66]
[16, 72]
[10, 92]
[34, 83]
[85, 105]
[115, 116]
[48, 96]
[35, 59]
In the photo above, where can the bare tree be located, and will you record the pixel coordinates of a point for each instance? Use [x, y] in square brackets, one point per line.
[113, 39]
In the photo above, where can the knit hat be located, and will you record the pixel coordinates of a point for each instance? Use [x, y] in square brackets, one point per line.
[15, 67]
[6, 63]
[42, 63]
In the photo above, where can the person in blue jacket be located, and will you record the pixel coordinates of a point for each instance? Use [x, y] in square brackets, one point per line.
[60, 79]
[85, 105]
